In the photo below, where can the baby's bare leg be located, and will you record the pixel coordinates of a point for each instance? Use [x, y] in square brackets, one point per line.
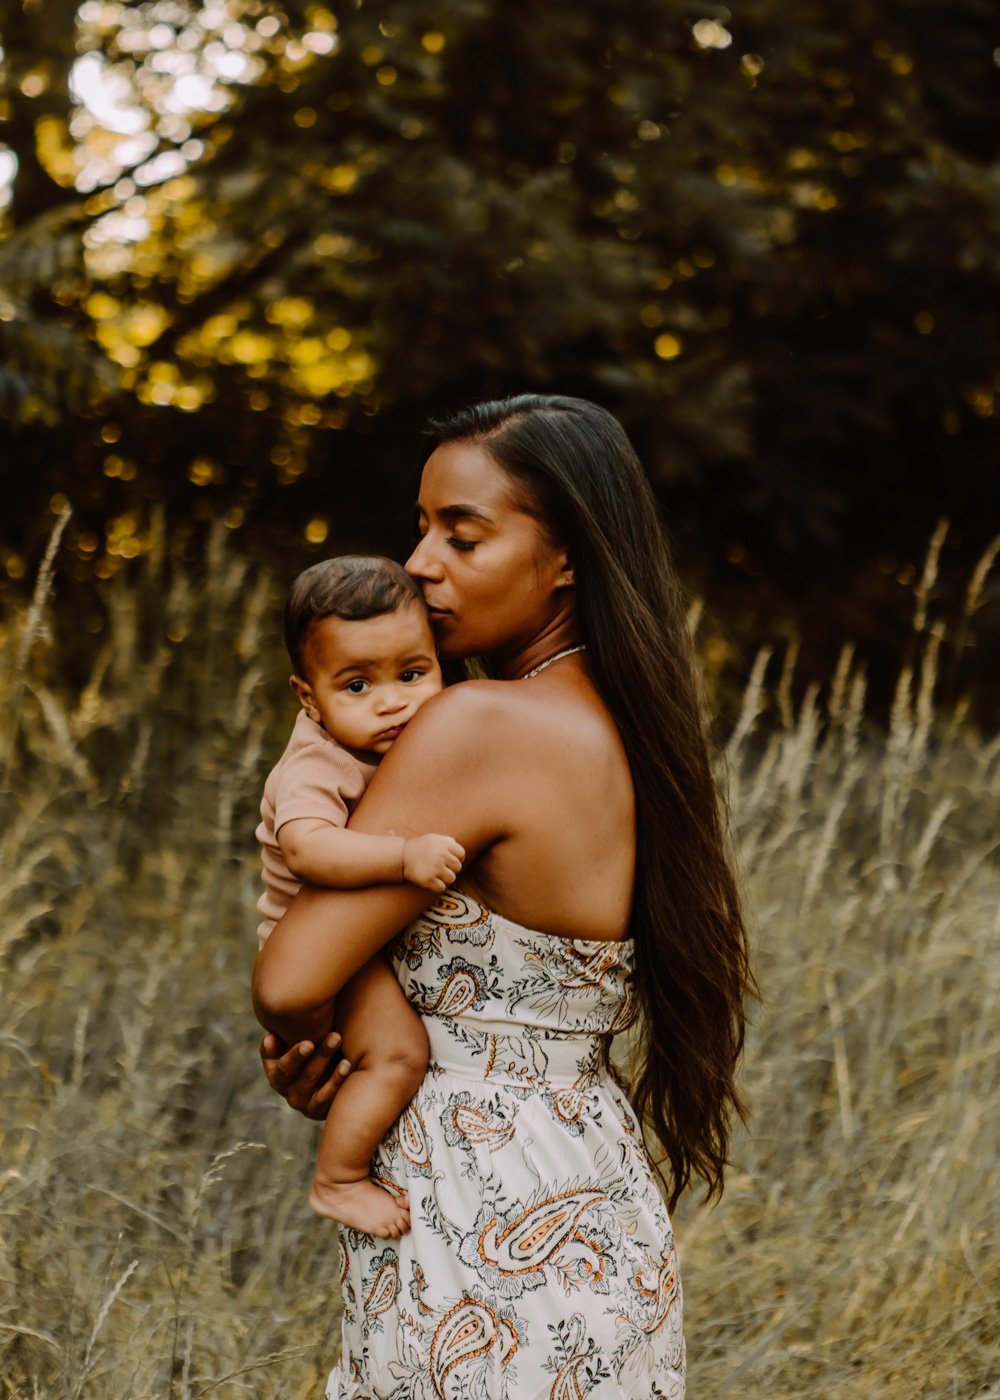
[385, 1042]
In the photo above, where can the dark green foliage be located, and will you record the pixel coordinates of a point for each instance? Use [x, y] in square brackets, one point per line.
[769, 241]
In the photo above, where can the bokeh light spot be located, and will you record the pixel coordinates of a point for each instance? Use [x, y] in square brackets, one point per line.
[667, 346]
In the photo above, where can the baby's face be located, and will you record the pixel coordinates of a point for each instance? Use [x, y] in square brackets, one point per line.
[366, 680]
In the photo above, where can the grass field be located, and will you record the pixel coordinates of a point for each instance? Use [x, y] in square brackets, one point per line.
[154, 1233]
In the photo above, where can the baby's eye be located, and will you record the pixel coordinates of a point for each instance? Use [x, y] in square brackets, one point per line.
[408, 677]
[356, 687]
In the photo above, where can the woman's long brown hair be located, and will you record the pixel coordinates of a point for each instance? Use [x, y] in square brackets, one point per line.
[578, 473]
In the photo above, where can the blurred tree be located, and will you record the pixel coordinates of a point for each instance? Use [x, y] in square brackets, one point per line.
[271, 239]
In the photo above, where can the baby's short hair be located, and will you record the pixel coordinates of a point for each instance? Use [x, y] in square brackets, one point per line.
[353, 587]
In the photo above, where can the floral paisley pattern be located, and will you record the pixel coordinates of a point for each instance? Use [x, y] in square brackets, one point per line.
[540, 1264]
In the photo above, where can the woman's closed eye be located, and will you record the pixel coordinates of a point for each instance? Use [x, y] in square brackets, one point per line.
[421, 534]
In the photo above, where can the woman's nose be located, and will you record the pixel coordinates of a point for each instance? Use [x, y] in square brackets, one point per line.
[422, 563]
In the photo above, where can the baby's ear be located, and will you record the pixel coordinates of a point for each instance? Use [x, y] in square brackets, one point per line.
[306, 699]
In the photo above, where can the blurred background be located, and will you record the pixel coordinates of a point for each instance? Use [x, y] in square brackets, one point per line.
[247, 249]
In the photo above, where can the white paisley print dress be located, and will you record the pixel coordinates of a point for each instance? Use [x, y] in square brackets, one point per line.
[540, 1262]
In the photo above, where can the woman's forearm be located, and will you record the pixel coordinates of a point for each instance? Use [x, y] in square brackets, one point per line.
[315, 949]
[431, 780]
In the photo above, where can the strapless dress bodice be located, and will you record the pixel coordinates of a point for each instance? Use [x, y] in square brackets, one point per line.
[505, 1003]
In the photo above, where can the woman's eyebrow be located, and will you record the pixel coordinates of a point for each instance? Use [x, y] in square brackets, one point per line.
[464, 512]
[458, 512]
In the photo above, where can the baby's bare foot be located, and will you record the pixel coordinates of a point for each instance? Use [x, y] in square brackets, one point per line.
[362, 1205]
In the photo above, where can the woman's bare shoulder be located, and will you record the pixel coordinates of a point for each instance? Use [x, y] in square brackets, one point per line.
[465, 703]
[515, 719]
[490, 729]
[468, 726]
[448, 729]
[514, 707]
[444, 772]
[471, 697]
[455, 722]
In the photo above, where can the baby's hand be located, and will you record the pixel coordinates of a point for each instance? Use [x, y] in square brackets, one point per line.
[432, 862]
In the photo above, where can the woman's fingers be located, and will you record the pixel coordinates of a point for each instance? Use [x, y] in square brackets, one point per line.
[319, 1104]
[283, 1064]
[314, 1070]
[321, 1078]
[302, 1073]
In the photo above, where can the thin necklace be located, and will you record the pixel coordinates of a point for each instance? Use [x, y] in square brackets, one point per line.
[552, 659]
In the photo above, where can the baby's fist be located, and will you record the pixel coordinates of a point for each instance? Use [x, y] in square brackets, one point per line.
[432, 861]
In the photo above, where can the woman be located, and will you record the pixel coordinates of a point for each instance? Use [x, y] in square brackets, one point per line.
[596, 890]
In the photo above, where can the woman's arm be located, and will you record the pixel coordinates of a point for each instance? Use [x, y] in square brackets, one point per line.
[441, 775]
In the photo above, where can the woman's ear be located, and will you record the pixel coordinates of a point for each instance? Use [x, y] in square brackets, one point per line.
[567, 576]
[306, 698]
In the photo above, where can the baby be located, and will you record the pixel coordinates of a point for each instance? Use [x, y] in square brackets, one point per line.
[364, 662]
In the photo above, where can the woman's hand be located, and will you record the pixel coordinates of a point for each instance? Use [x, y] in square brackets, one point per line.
[307, 1076]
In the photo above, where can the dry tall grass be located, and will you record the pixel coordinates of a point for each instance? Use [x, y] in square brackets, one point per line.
[155, 1239]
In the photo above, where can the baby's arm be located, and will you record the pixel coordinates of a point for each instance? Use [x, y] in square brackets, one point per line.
[324, 854]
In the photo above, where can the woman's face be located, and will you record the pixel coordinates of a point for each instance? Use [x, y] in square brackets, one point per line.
[489, 575]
